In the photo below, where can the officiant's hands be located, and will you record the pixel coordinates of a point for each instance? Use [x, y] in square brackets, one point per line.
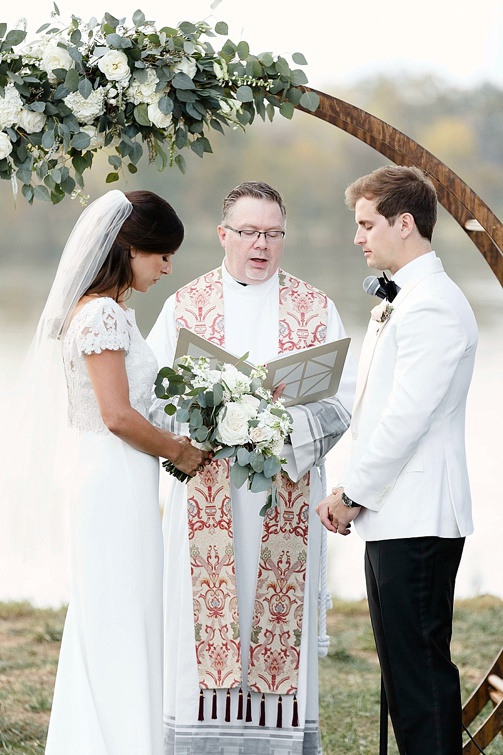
[278, 391]
[190, 459]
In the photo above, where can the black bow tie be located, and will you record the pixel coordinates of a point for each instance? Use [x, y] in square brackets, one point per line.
[389, 286]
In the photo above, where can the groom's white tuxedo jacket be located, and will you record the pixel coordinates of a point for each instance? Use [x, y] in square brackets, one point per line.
[407, 463]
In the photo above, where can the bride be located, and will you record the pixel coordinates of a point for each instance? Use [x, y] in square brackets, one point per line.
[108, 693]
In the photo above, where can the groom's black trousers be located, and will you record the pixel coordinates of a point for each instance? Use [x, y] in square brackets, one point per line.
[410, 587]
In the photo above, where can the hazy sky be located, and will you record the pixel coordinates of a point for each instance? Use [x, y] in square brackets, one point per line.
[460, 40]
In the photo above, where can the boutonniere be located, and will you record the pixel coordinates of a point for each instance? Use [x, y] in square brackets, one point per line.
[382, 312]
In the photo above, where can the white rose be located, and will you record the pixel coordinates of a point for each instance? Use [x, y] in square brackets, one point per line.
[5, 145]
[261, 434]
[138, 92]
[10, 106]
[186, 65]
[31, 121]
[159, 119]
[232, 427]
[86, 110]
[55, 57]
[235, 381]
[114, 64]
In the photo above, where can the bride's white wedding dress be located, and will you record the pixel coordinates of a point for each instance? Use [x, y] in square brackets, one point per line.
[108, 694]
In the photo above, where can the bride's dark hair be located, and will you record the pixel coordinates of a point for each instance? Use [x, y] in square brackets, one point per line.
[153, 226]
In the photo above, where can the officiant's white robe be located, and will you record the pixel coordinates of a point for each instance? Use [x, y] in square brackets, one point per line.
[251, 314]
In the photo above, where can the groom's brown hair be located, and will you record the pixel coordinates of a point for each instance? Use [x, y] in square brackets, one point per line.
[397, 189]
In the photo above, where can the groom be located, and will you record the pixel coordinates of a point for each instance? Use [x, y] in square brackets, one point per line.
[407, 482]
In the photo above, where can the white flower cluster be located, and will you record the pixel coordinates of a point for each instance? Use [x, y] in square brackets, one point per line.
[12, 114]
[50, 54]
[242, 418]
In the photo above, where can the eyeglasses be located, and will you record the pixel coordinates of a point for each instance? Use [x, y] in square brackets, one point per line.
[247, 233]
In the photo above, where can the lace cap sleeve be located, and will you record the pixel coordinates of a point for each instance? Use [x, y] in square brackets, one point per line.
[102, 325]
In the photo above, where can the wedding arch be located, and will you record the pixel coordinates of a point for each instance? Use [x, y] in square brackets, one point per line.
[86, 86]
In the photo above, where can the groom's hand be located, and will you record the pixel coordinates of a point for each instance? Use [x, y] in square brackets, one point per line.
[334, 515]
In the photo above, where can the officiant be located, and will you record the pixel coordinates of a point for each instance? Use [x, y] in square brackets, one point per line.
[241, 590]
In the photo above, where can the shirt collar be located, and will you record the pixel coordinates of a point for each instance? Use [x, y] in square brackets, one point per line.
[414, 269]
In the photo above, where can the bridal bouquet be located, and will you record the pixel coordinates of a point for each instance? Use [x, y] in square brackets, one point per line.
[232, 413]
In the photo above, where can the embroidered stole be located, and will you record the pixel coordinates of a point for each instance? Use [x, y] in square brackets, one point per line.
[273, 664]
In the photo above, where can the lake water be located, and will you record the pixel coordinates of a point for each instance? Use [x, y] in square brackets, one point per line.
[482, 565]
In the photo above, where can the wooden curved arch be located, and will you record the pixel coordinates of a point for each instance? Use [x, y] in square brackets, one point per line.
[453, 193]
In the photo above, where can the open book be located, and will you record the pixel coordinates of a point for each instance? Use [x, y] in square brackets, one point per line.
[310, 374]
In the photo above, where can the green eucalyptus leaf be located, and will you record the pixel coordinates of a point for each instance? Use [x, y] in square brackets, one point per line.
[76, 56]
[201, 434]
[111, 21]
[272, 466]
[182, 415]
[196, 418]
[141, 114]
[68, 185]
[257, 461]
[170, 409]
[41, 192]
[243, 456]
[138, 18]
[298, 78]
[310, 100]
[187, 28]
[239, 475]
[244, 94]
[287, 109]
[243, 50]
[260, 483]
[14, 37]
[81, 141]
[282, 67]
[111, 178]
[225, 452]
[182, 81]
[181, 164]
[114, 40]
[221, 28]
[299, 59]
[165, 105]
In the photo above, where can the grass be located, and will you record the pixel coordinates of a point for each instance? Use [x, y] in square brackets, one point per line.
[349, 675]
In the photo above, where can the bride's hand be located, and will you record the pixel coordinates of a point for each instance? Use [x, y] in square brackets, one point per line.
[191, 460]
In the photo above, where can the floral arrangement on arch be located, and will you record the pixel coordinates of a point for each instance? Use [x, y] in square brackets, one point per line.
[231, 413]
[83, 87]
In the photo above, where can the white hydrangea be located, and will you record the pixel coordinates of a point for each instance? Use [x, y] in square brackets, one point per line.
[158, 118]
[86, 110]
[114, 64]
[139, 93]
[54, 57]
[31, 121]
[5, 145]
[10, 106]
[186, 65]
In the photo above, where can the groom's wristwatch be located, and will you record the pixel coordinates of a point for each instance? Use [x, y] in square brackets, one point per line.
[348, 502]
